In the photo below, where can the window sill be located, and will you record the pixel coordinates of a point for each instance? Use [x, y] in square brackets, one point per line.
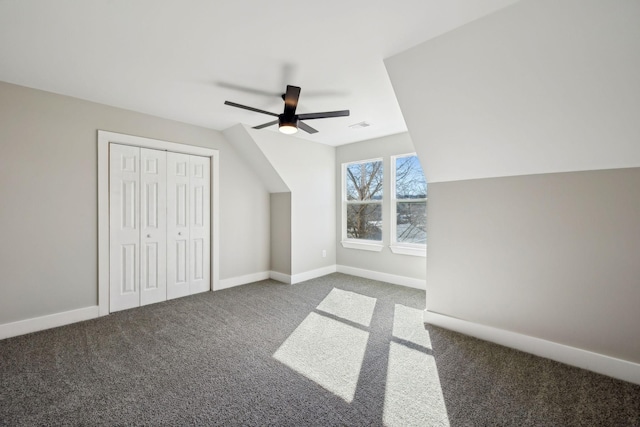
[350, 244]
[408, 250]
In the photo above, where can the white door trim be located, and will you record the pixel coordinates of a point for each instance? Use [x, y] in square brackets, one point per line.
[104, 138]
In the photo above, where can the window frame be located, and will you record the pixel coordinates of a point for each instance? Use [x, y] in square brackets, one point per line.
[349, 242]
[404, 248]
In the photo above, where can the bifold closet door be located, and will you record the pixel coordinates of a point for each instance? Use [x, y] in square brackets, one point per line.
[200, 223]
[137, 217]
[124, 220]
[153, 226]
[188, 224]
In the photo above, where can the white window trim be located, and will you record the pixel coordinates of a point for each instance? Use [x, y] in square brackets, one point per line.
[405, 249]
[413, 249]
[359, 244]
[350, 243]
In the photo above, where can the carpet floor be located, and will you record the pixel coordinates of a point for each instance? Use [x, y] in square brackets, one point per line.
[337, 350]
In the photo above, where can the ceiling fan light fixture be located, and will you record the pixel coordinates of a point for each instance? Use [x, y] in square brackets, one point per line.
[288, 127]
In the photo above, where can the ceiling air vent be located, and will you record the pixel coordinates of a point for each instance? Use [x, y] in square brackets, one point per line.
[360, 125]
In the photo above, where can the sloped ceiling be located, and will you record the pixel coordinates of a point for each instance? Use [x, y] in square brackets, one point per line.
[538, 87]
[182, 60]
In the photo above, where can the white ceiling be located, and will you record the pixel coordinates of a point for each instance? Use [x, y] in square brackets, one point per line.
[182, 59]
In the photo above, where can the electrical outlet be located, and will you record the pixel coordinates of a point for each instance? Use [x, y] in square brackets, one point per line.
[324, 253]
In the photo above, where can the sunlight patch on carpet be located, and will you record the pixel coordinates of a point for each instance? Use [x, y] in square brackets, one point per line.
[349, 305]
[326, 351]
[413, 395]
[408, 326]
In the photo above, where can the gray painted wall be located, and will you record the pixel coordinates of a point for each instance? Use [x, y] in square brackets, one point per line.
[308, 170]
[384, 261]
[242, 142]
[538, 87]
[281, 233]
[554, 256]
[48, 196]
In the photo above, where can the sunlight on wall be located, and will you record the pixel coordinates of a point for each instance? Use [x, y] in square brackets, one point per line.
[413, 393]
[326, 351]
[349, 305]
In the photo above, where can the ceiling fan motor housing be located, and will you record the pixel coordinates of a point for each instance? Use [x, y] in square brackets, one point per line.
[283, 120]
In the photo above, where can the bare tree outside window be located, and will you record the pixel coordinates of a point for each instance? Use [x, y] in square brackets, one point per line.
[364, 200]
[410, 201]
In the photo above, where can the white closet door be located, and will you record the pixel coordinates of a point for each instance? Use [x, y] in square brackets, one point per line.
[199, 218]
[153, 226]
[124, 181]
[177, 225]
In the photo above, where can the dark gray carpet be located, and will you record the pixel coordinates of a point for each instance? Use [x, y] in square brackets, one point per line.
[209, 359]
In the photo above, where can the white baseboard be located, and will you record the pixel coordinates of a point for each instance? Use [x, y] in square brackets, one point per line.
[275, 275]
[280, 277]
[367, 274]
[301, 277]
[36, 324]
[312, 274]
[606, 365]
[242, 280]
[383, 277]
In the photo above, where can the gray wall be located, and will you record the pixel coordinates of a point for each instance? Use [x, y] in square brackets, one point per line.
[243, 143]
[539, 87]
[307, 169]
[384, 261]
[281, 233]
[48, 199]
[554, 256]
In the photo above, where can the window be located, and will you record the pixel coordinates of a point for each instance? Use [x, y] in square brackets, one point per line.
[408, 206]
[362, 205]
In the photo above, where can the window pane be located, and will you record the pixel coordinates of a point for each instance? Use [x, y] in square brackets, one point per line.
[364, 181]
[364, 221]
[411, 222]
[410, 181]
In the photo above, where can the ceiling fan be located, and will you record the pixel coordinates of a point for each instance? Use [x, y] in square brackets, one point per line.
[289, 122]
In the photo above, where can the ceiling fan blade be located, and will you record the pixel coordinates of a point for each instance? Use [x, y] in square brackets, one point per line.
[308, 116]
[246, 89]
[291, 100]
[265, 125]
[305, 127]
[233, 104]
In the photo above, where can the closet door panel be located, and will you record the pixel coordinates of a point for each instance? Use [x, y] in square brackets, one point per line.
[178, 211]
[124, 223]
[153, 226]
[200, 224]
